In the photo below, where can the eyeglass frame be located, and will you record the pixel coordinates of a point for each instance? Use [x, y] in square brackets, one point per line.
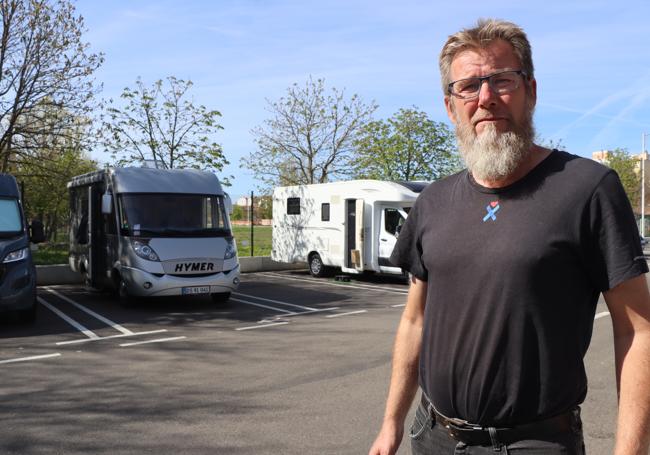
[481, 79]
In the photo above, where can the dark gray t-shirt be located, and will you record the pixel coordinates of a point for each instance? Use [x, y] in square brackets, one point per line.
[513, 277]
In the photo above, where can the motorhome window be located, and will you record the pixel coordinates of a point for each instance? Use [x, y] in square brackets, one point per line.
[10, 220]
[172, 215]
[293, 206]
[325, 212]
[392, 219]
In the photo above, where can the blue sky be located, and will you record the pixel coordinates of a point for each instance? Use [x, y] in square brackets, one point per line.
[592, 59]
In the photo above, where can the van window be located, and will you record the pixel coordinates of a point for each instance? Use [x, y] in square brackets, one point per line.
[10, 216]
[325, 212]
[392, 219]
[293, 206]
[172, 215]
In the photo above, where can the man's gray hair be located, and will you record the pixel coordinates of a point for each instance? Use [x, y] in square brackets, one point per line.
[482, 35]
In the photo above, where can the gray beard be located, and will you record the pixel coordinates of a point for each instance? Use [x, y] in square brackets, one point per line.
[491, 155]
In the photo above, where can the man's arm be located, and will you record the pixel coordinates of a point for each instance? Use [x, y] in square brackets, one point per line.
[404, 377]
[629, 306]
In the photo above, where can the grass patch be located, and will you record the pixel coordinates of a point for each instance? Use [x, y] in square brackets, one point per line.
[261, 240]
[51, 254]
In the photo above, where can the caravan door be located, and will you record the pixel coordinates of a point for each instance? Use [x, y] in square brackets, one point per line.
[392, 219]
[354, 238]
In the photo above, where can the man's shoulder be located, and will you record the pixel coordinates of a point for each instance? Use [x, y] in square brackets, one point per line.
[444, 184]
[577, 169]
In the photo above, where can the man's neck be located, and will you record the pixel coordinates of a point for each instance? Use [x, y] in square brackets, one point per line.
[536, 155]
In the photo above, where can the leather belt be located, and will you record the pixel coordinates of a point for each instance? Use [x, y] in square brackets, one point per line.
[472, 434]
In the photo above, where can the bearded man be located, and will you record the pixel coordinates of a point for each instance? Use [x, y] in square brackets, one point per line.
[507, 262]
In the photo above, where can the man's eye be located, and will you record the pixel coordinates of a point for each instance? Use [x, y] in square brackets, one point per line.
[467, 86]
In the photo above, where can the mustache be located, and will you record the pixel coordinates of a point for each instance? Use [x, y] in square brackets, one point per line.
[480, 116]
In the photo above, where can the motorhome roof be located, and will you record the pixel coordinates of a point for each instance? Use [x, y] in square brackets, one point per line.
[149, 180]
[8, 186]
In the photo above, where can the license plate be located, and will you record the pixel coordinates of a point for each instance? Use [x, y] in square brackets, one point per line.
[192, 290]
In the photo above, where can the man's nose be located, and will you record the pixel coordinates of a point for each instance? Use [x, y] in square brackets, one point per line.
[486, 96]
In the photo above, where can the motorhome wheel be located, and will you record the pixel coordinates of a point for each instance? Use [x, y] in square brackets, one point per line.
[126, 300]
[316, 266]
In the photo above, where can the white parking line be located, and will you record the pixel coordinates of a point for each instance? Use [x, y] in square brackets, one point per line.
[89, 333]
[275, 301]
[601, 315]
[34, 357]
[106, 321]
[329, 283]
[132, 334]
[301, 313]
[261, 326]
[398, 306]
[346, 314]
[159, 340]
[246, 302]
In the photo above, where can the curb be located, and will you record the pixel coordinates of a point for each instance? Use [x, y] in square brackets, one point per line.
[62, 274]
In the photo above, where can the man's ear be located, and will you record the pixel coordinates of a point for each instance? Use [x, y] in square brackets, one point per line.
[450, 109]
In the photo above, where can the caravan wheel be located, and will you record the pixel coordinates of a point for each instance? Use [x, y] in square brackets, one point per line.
[126, 300]
[316, 266]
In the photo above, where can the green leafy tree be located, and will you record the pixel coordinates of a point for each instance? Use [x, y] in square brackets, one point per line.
[627, 168]
[161, 123]
[238, 213]
[46, 194]
[309, 137]
[407, 146]
[45, 68]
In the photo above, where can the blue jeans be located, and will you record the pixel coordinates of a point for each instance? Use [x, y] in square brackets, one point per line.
[429, 438]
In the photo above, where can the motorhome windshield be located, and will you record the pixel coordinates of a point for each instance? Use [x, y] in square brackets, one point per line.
[10, 220]
[173, 215]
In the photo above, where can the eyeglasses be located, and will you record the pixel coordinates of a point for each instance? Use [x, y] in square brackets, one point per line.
[501, 83]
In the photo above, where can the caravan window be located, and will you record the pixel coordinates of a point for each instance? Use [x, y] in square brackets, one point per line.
[325, 212]
[293, 206]
[173, 215]
[392, 219]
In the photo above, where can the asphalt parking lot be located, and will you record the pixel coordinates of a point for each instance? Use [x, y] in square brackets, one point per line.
[291, 365]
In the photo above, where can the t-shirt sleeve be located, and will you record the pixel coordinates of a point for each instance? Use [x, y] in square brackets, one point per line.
[613, 250]
[407, 253]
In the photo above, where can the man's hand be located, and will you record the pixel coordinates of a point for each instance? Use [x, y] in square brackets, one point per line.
[388, 440]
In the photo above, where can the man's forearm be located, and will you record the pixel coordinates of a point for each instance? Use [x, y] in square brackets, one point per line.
[404, 377]
[633, 374]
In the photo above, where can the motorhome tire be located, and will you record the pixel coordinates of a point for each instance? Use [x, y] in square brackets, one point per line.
[126, 300]
[316, 266]
[220, 297]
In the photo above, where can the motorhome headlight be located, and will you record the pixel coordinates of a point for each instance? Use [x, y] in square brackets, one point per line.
[231, 249]
[142, 249]
[17, 255]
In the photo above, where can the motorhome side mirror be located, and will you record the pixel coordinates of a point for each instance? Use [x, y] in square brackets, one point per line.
[398, 229]
[37, 235]
[107, 204]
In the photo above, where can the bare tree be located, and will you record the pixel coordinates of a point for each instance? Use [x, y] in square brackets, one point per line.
[45, 67]
[310, 136]
[161, 123]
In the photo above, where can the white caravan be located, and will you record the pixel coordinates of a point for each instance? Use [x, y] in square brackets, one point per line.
[153, 232]
[351, 225]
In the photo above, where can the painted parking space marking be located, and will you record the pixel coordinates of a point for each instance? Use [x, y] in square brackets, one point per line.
[89, 333]
[27, 359]
[261, 326]
[106, 321]
[275, 301]
[91, 336]
[62, 343]
[399, 305]
[301, 313]
[601, 315]
[246, 302]
[330, 283]
[159, 340]
[346, 314]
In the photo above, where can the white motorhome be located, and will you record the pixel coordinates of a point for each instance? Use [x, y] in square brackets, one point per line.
[350, 225]
[153, 232]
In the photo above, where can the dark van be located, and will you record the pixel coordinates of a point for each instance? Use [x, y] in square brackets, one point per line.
[17, 271]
